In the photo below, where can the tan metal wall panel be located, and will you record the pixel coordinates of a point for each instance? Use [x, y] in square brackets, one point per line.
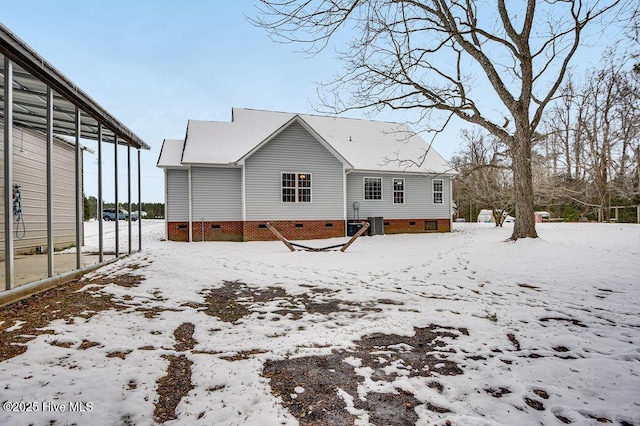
[29, 165]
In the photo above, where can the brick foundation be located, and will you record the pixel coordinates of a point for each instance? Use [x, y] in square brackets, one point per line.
[257, 230]
[408, 226]
[218, 231]
[178, 231]
[293, 230]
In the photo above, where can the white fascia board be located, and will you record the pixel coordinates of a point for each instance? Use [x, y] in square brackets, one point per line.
[400, 172]
[185, 167]
[220, 165]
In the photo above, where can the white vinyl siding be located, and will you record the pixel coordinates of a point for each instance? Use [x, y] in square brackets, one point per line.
[216, 193]
[293, 149]
[418, 198]
[177, 195]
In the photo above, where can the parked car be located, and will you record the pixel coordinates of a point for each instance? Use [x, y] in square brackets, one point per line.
[110, 214]
[134, 216]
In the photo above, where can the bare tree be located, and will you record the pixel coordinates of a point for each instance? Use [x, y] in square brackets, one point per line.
[593, 137]
[485, 173]
[492, 65]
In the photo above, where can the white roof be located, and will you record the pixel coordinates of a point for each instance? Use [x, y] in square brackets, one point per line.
[171, 153]
[362, 144]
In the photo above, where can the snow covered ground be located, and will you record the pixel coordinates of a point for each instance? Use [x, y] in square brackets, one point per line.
[558, 314]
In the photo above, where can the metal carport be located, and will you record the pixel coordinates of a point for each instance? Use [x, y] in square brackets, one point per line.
[35, 95]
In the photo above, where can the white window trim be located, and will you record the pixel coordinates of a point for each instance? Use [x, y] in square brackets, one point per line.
[404, 190]
[364, 192]
[296, 188]
[434, 192]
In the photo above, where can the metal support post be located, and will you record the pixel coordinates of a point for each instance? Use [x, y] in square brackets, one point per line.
[79, 198]
[9, 272]
[100, 201]
[139, 207]
[115, 183]
[129, 192]
[50, 182]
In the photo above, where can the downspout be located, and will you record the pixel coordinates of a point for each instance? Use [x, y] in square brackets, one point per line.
[344, 198]
[190, 209]
[450, 203]
[244, 193]
[166, 198]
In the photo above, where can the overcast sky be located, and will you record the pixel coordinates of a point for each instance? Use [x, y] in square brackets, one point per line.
[155, 64]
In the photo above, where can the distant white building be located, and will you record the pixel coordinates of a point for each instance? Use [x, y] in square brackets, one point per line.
[309, 175]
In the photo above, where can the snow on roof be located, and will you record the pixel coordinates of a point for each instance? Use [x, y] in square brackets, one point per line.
[365, 144]
[171, 153]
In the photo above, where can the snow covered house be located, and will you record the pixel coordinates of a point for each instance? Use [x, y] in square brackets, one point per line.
[309, 175]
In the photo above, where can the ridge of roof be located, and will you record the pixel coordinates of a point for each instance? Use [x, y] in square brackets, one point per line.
[360, 144]
[304, 114]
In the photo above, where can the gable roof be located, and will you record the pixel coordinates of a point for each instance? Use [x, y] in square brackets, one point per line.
[171, 153]
[297, 119]
[359, 144]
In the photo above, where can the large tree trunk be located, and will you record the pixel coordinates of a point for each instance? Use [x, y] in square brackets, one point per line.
[525, 225]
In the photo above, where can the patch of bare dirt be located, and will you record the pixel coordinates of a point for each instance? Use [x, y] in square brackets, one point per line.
[569, 320]
[534, 403]
[311, 387]
[62, 302]
[235, 300]
[86, 344]
[232, 301]
[177, 383]
[529, 286]
[173, 387]
[513, 340]
[118, 354]
[541, 393]
[184, 337]
[242, 355]
[497, 393]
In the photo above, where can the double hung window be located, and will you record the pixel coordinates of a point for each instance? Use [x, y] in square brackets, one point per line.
[296, 187]
[438, 190]
[372, 188]
[398, 191]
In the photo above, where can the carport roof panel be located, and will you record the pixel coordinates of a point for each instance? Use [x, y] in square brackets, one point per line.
[31, 76]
